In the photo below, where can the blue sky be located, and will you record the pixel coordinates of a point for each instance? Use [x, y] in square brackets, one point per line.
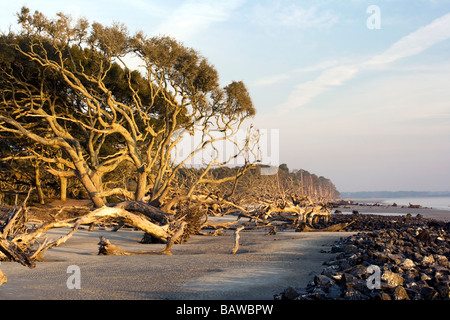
[367, 108]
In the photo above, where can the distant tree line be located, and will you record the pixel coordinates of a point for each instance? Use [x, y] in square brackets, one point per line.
[316, 187]
[255, 186]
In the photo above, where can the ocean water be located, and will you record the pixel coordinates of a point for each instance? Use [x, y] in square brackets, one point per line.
[441, 203]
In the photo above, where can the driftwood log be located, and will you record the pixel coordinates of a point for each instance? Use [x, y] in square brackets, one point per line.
[102, 214]
[106, 248]
[26, 246]
[15, 253]
[236, 239]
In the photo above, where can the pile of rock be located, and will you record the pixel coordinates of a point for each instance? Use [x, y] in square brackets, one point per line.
[371, 222]
[409, 262]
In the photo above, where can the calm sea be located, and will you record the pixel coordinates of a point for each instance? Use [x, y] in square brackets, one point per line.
[441, 203]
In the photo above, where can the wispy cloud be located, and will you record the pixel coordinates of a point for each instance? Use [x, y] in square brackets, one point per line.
[150, 8]
[194, 16]
[272, 79]
[276, 78]
[410, 45]
[278, 14]
[304, 92]
[417, 41]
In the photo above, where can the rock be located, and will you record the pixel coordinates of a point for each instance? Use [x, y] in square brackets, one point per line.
[323, 281]
[441, 260]
[408, 264]
[415, 289]
[347, 278]
[392, 279]
[424, 277]
[413, 294]
[310, 287]
[361, 286]
[400, 293]
[443, 288]
[441, 273]
[290, 293]
[383, 296]
[424, 236]
[332, 272]
[428, 260]
[428, 293]
[353, 294]
[380, 257]
[318, 293]
[395, 258]
[417, 256]
[412, 253]
[359, 271]
[354, 258]
[278, 297]
[411, 275]
[336, 248]
[351, 248]
[344, 264]
[334, 292]
[336, 276]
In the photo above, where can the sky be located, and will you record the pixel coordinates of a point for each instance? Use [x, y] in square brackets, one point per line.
[358, 91]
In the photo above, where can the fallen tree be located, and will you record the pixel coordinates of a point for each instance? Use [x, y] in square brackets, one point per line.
[26, 244]
[21, 244]
[106, 248]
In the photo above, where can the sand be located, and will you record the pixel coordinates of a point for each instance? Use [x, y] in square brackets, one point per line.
[202, 268]
[391, 210]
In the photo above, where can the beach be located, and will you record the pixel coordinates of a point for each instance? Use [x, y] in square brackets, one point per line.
[200, 269]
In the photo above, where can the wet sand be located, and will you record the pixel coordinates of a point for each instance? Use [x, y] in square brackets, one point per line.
[391, 210]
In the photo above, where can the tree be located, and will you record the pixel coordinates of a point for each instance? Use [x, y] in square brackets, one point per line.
[70, 102]
[67, 86]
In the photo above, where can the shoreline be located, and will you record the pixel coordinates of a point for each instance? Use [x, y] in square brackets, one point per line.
[365, 206]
